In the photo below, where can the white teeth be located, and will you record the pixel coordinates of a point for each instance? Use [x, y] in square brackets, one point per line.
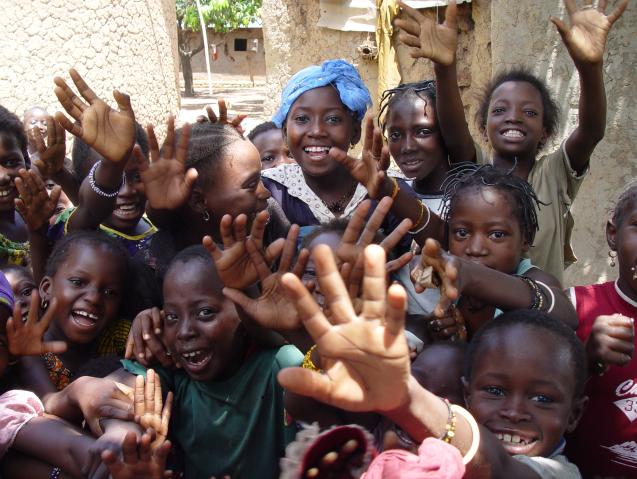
[85, 314]
[127, 207]
[512, 439]
[4, 193]
[317, 149]
[507, 438]
[515, 439]
[513, 134]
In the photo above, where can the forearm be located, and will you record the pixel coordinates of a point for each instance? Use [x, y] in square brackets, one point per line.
[451, 116]
[65, 404]
[69, 184]
[40, 251]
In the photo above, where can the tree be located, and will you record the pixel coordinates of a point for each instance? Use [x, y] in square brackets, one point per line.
[222, 16]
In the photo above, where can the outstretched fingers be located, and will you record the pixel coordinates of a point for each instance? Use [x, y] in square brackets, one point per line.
[396, 310]
[374, 286]
[617, 11]
[82, 87]
[331, 284]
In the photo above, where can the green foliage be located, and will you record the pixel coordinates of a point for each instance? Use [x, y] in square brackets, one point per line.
[220, 15]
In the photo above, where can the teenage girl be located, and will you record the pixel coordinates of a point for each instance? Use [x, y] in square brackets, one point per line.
[524, 379]
[518, 116]
[268, 139]
[600, 445]
[492, 221]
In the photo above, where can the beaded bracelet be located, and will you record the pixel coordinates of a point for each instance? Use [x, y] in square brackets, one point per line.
[450, 427]
[537, 301]
[97, 189]
[55, 473]
[307, 361]
[550, 291]
[396, 188]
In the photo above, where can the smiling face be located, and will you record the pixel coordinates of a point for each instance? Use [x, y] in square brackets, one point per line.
[623, 239]
[22, 285]
[522, 389]
[88, 287]
[515, 122]
[272, 149]
[236, 186]
[200, 324]
[484, 229]
[414, 139]
[317, 121]
[130, 204]
[11, 160]
[35, 118]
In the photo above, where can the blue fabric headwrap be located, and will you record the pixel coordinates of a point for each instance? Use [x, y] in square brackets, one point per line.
[6, 293]
[338, 73]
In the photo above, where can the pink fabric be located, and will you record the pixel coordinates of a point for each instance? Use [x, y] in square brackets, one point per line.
[16, 409]
[435, 460]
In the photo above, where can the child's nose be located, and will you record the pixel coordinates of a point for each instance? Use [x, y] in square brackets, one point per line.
[317, 128]
[262, 192]
[185, 331]
[514, 409]
[476, 246]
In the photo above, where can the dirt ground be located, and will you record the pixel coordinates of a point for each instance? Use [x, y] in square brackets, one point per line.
[238, 91]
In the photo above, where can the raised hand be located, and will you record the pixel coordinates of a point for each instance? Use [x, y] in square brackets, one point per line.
[234, 266]
[165, 181]
[50, 155]
[427, 37]
[109, 132]
[144, 342]
[223, 117]
[35, 205]
[272, 309]
[365, 358]
[585, 39]
[611, 342]
[370, 169]
[150, 412]
[26, 337]
[141, 460]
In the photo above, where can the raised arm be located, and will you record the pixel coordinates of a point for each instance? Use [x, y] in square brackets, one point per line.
[439, 44]
[109, 132]
[585, 40]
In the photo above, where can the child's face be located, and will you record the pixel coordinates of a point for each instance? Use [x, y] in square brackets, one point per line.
[4, 342]
[36, 118]
[624, 240]
[414, 139]
[483, 229]
[515, 123]
[333, 240]
[63, 201]
[130, 204]
[200, 324]
[272, 148]
[237, 185]
[317, 121]
[11, 160]
[88, 289]
[438, 368]
[22, 286]
[523, 390]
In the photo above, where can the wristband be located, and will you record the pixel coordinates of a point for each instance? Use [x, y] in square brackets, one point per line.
[98, 191]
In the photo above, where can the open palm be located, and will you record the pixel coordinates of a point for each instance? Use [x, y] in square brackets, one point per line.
[364, 357]
[35, 205]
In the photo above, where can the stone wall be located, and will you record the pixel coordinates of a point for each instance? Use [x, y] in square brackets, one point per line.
[130, 45]
[495, 34]
[229, 61]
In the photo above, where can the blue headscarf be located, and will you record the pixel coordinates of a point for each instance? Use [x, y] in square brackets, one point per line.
[338, 73]
[6, 293]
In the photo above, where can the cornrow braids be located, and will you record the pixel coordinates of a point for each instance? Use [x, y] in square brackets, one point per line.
[424, 90]
[468, 176]
[626, 196]
[12, 125]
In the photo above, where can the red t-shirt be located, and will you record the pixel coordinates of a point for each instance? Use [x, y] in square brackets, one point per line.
[604, 445]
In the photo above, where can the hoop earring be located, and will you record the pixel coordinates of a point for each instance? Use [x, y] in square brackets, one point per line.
[206, 216]
[612, 255]
[449, 161]
[44, 304]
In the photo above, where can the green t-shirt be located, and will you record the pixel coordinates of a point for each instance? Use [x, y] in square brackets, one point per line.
[237, 426]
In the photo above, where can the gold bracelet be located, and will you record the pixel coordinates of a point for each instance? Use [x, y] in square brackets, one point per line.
[396, 188]
[420, 217]
[307, 360]
[450, 427]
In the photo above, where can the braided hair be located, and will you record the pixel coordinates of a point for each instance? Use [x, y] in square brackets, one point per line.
[626, 196]
[469, 176]
[11, 125]
[424, 90]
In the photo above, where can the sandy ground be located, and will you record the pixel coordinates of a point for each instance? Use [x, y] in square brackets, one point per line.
[238, 91]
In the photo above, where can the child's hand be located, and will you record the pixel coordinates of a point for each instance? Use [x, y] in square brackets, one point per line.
[223, 116]
[370, 169]
[35, 205]
[165, 181]
[365, 357]
[50, 157]
[585, 39]
[150, 412]
[611, 342]
[234, 266]
[109, 132]
[138, 460]
[144, 343]
[428, 39]
[26, 337]
[450, 325]
[272, 309]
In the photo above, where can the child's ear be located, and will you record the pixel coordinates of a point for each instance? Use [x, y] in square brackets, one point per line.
[466, 391]
[197, 201]
[356, 132]
[45, 288]
[526, 247]
[579, 406]
[485, 137]
[611, 235]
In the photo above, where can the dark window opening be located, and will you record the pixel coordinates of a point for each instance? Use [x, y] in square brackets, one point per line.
[240, 44]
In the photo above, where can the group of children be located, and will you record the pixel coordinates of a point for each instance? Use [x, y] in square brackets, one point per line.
[220, 306]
